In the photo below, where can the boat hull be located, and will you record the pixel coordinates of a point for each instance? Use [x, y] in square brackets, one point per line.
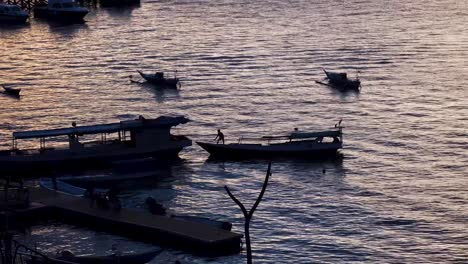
[167, 82]
[38, 165]
[61, 16]
[288, 150]
[13, 19]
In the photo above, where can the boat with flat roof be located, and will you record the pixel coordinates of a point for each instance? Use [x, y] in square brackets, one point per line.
[301, 144]
[129, 139]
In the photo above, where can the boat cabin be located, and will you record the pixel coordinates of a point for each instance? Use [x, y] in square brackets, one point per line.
[139, 133]
[63, 4]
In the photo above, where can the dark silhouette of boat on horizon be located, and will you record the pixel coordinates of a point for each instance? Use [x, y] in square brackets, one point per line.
[11, 91]
[340, 81]
[159, 79]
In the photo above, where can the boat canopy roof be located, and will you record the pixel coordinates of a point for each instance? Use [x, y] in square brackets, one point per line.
[141, 122]
[329, 133]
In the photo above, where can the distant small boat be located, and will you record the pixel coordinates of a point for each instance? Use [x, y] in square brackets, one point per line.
[341, 81]
[136, 258]
[11, 91]
[12, 14]
[159, 79]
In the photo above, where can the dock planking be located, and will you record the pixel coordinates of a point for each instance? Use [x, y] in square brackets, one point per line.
[194, 237]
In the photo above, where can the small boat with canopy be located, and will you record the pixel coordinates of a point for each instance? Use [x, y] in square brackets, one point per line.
[296, 144]
[340, 81]
[159, 79]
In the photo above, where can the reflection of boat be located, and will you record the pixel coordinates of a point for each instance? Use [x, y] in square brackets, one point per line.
[123, 171]
[340, 81]
[128, 139]
[61, 10]
[11, 91]
[296, 144]
[12, 14]
[159, 79]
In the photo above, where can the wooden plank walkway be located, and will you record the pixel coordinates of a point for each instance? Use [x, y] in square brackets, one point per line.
[197, 238]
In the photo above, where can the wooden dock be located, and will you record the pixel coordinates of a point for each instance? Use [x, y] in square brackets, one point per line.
[196, 238]
[27, 4]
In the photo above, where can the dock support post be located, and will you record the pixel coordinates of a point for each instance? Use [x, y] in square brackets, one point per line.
[248, 215]
[7, 247]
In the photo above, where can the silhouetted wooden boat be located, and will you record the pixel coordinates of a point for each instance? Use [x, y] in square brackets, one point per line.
[296, 144]
[11, 91]
[61, 10]
[159, 79]
[129, 139]
[12, 14]
[340, 81]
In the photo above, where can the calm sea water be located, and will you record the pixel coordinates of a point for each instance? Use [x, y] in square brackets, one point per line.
[400, 193]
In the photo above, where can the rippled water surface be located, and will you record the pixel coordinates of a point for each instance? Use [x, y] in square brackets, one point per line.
[249, 67]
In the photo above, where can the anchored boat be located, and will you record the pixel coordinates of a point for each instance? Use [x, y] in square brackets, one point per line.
[296, 144]
[11, 91]
[61, 10]
[128, 139]
[341, 81]
[159, 79]
[12, 14]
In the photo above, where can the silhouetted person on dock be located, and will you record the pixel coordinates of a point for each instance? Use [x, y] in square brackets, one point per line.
[219, 137]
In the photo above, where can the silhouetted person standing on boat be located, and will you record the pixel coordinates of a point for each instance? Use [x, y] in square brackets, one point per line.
[219, 137]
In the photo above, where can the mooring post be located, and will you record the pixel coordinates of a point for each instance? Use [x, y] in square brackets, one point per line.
[248, 215]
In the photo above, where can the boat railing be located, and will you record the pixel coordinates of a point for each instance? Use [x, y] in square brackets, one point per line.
[262, 140]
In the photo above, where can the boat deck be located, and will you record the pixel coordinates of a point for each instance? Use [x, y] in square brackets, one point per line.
[197, 238]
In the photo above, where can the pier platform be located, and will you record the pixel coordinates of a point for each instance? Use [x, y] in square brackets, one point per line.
[193, 237]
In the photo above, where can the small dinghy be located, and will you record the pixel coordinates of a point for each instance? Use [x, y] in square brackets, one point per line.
[11, 91]
[159, 79]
